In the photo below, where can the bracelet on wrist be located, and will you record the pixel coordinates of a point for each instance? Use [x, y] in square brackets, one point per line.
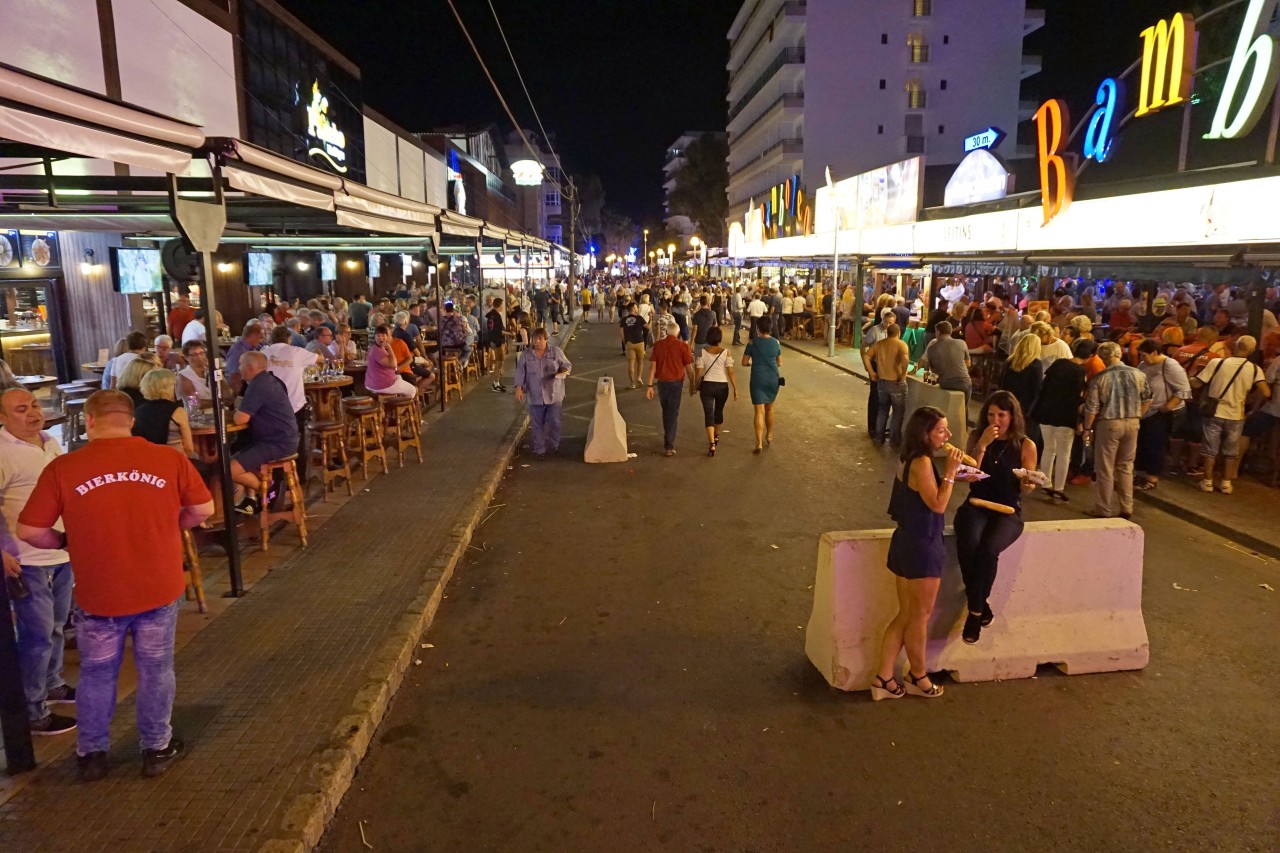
[951, 480]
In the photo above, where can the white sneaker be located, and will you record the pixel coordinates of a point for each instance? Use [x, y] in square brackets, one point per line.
[1206, 485]
[1225, 488]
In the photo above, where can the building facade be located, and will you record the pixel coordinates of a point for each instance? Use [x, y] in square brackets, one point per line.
[538, 206]
[857, 84]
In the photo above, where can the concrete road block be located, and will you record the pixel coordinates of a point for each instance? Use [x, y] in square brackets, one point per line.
[607, 434]
[921, 393]
[1068, 593]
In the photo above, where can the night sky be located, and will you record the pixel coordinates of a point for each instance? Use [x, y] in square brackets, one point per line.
[616, 81]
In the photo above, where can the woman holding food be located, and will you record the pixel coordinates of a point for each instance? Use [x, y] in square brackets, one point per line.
[990, 520]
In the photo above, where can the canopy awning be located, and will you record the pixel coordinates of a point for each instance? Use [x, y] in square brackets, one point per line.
[458, 225]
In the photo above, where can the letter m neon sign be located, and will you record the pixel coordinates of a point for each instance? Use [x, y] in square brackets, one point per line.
[1168, 63]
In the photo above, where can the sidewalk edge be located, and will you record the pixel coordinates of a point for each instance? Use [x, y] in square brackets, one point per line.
[816, 357]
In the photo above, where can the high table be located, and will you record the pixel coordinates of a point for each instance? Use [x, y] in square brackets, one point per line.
[35, 383]
[324, 396]
[356, 370]
[206, 444]
[94, 367]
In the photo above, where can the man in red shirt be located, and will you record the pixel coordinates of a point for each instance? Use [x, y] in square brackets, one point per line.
[124, 502]
[179, 316]
[670, 364]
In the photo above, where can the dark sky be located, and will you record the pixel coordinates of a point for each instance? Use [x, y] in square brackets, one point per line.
[616, 81]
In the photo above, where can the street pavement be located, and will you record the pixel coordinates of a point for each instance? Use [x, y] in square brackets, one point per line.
[619, 664]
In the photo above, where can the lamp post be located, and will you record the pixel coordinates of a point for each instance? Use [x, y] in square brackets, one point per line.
[671, 251]
[695, 241]
[646, 243]
[652, 262]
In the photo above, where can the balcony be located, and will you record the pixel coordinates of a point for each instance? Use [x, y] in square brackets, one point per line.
[791, 145]
[921, 8]
[913, 145]
[917, 99]
[789, 101]
[792, 13]
[1032, 21]
[919, 53]
[1031, 66]
[786, 56]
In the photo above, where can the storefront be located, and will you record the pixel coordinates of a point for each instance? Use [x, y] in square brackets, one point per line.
[33, 308]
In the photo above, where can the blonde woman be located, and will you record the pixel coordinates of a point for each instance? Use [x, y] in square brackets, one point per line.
[159, 411]
[7, 379]
[121, 347]
[130, 381]
[1023, 377]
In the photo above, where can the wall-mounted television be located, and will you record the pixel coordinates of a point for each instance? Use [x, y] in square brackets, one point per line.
[328, 266]
[375, 265]
[260, 269]
[137, 270]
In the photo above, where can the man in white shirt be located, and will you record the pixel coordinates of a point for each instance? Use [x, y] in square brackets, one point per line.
[195, 330]
[25, 450]
[288, 364]
[755, 310]
[1229, 381]
[137, 344]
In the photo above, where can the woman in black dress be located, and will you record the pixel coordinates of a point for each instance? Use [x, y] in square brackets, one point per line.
[916, 552]
[982, 533]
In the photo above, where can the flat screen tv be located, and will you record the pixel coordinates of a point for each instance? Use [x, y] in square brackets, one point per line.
[137, 270]
[328, 266]
[375, 265]
[260, 265]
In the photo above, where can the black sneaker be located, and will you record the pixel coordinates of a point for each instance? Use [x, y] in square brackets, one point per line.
[53, 724]
[156, 762]
[64, 695]
[972, 628]
[92, 767]
[248, 506]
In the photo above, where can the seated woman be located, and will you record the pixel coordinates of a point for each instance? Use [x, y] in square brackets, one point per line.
[130, 380]
[382, 375]
[160, 414]
[193, 380]
[977, 331]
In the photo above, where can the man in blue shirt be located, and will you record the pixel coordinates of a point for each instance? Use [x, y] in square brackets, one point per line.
[272, 428]
[250, 341]
[540, 375]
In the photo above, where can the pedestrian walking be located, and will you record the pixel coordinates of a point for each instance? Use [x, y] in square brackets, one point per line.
[891, 358]
[669, 364]
[1115, 401]
[999, 446]
[916, 551]
[713, 376]
[632, 330]
[44, 573]
[763, 355]
[540, 375]
[124, 502]
[735, 311]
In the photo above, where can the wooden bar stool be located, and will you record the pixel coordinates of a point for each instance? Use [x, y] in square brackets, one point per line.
[296, 513]
[74, 426]
[191, 565]
[450, 377]
[328, 439]
[364, 436]
[403, 423]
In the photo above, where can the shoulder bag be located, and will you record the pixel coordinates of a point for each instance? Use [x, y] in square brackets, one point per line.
[709, 366]
[1209, 403]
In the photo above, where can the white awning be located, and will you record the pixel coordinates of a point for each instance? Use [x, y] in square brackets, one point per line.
[370, 222]
[268, 187]
[73, 138]
[458, 225]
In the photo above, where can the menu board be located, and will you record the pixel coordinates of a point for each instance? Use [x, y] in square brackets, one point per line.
[40, 249]
[10, 249]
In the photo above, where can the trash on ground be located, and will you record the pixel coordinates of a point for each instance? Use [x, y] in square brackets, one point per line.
[1184, 588]
[1267, 587]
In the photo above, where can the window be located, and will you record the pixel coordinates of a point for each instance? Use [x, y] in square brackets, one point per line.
[553, 199]
[946, 39]
[921, 8]
[943, 87]
[919, 50]
[880, 129]
[942, 128]
[884, 38]
[915, 95]
[883, 83]
[915, 144]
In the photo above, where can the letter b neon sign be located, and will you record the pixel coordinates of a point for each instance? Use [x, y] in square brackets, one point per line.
[1057, 170]
[1257, 47]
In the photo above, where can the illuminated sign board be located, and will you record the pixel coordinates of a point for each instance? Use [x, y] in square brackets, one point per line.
[786, 212]
[889, 195]
[979, 177]
[527, 173]
[1100, 136]
[1256, 51]
[989, 138]
[1167, 64]
[1057, 170]
[327, 141]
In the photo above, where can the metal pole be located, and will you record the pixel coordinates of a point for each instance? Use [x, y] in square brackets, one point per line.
[573, 243]
[858, 285]
[439, 339]
[15, 726]
[835, 288]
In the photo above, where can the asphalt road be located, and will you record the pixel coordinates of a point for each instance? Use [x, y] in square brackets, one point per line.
[620, 666]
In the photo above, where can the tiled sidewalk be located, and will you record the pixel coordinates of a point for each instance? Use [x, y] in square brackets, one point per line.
[278, 697]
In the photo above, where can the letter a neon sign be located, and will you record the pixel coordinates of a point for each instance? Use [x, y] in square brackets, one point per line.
[1100, 137]
[1057, 170]
[1168, 63]
[1257, 47]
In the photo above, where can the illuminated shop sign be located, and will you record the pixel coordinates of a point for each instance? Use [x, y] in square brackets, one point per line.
[979, 177]
[326, 139]
[1168, 62]
[889, 195]
[989, 138]
[785, 212]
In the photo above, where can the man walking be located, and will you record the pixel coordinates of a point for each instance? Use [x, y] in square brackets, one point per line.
[540, 375]
[669, 365]
[25, 451]
[870, 338]
[1114, 402]
[755, 310]
[890, 357]
[125, 502]
[632, 329]
[495, 338]
[735, 310]
[703, 319]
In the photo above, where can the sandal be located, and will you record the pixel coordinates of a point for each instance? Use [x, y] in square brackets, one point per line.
[882, 690]
[913, 687]
[1145, 486]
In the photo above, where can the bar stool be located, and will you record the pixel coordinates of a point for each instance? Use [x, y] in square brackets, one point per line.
[328, 439]
[364, 436]
[191, 565]
[820, 327]
[74, 426]
[450, 377]
[402, 422]
[296, 513]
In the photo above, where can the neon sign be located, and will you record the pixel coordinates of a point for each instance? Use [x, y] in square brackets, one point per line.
[787, 212]
[1256, 46]
[989, 138]
[1167, 64]
[1057, 175]
[331, 142]
[1100, 136]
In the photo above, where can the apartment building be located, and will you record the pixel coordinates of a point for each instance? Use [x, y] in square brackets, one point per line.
[675, 160]
[856, 84]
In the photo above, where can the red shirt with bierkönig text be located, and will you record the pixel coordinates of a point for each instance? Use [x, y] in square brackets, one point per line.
[119, 499]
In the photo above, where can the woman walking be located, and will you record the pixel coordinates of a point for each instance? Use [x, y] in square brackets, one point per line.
[1057, 410]
[916, 552]
[985, 529]
[713, 377]
[764, 356]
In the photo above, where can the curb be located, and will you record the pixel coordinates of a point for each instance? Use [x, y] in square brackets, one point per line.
[837, 365]
[305, 818]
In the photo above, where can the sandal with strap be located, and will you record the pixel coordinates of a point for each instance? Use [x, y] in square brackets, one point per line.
[914, 688]
[882, 690]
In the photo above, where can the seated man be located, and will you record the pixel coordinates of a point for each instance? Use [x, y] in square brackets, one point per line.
[343, 347]
[273, 429]
[322, 345]
[454, 333]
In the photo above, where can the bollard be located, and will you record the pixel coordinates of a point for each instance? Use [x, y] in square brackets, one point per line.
[607, 434]
[15, 727]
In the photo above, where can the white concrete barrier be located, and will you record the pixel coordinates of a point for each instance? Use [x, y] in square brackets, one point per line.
[607, 434]
[1068, 593]
[921, 393]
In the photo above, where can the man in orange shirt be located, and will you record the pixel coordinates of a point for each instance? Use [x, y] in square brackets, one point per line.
[124, 502]
[670, 363]
[179, 316]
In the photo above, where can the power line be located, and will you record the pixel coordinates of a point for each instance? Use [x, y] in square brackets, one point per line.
[528, 97]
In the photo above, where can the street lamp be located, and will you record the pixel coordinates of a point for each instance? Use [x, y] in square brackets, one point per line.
[671, 251]
[646, 243]
[652, 261]
[695, 241]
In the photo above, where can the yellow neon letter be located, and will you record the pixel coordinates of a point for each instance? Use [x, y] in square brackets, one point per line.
[1057, 172]
[1167, 63]
[1257, 46]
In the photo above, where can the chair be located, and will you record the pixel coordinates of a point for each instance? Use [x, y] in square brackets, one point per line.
[297, 513]
[328, 439]
[191, 564]
[364, 436]
[450, 377]
[820, 326]
[74, 426]
[402, 421]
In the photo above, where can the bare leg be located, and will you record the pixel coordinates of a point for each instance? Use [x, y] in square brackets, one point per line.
[768, 422]
[893, 634]
[759, 426]
[922, 593]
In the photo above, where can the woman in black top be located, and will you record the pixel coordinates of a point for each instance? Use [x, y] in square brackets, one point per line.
[159, 410]
[982, 533]
[1057, 410]
[1023, 376]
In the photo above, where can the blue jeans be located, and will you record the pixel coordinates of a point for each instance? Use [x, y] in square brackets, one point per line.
[545, 422]
[101, 643]
[41, 617]
[670, 393]
[890, 395]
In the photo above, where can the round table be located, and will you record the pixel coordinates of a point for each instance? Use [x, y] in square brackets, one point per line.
[356, 370]
[94, 367]
[35, 383]
[324, 396]
[206, 443]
